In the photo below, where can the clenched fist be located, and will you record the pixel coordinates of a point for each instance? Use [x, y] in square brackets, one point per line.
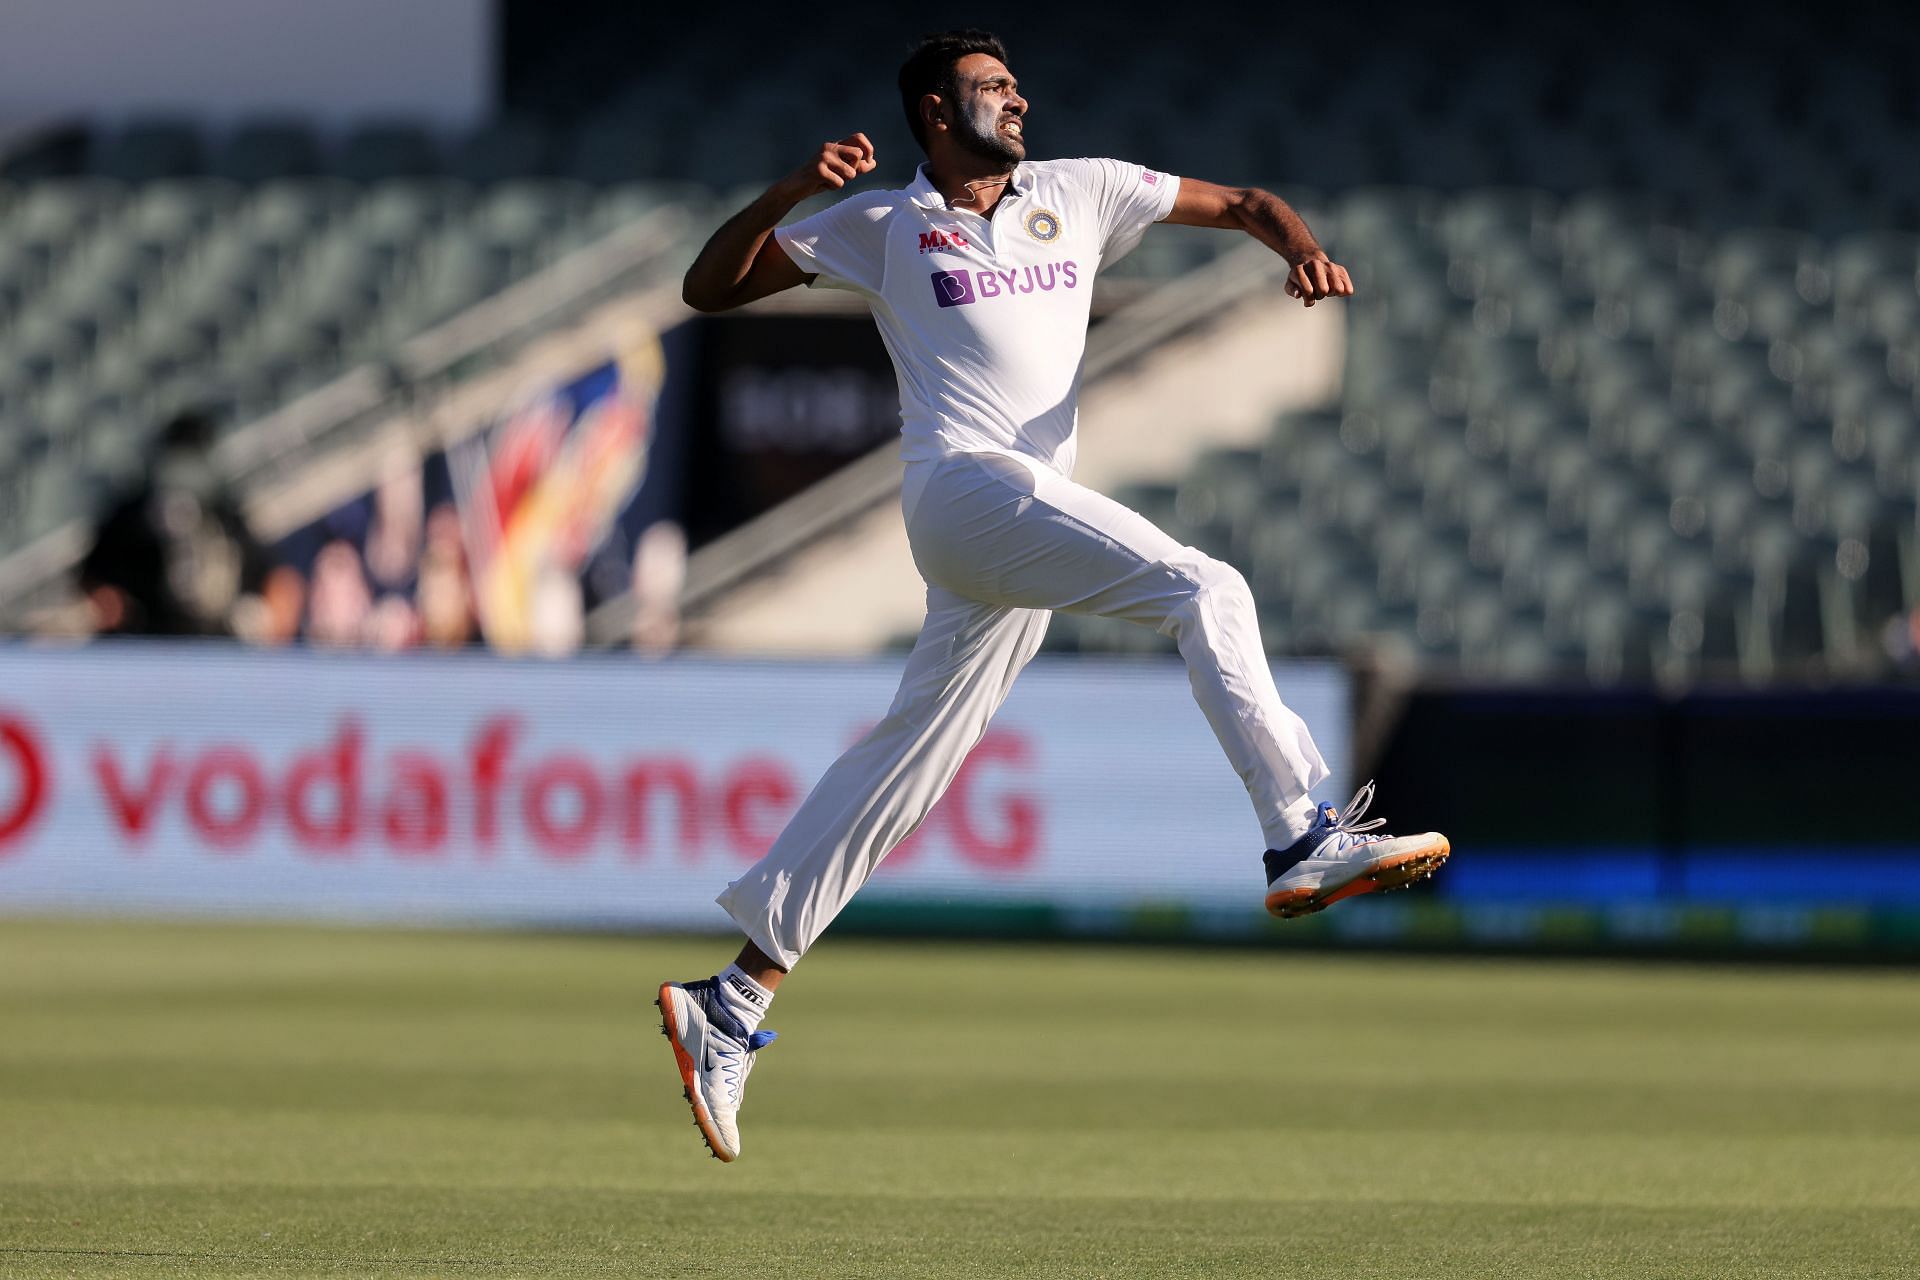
[834, 166]
[1318, 278]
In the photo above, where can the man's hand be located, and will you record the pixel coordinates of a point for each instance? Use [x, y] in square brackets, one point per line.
[1271, 221]
[832, 167]
[1318, 278]
[742, 262]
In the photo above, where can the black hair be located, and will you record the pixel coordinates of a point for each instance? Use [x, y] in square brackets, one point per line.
[929, 69]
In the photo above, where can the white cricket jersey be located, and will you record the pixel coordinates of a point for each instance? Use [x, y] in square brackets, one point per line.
[985, 317]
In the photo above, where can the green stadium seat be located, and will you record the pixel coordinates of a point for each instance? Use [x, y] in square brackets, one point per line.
[1375, 216]
[1613, 639]
[626, 202]
[395, 213]
[1516, 547]
[164, 218]
[1610, 508]
[1399, 542]
[1773, 310]
[523, 213]
[1593, 220]
[53, 214]
[1158, 503]
[1891, 312]
[1890, 440]
[1220, 499]
[1491, 218]
[1279, 541]
[1860, 263]
[1742, 259]
[116, 450]
[56, 496]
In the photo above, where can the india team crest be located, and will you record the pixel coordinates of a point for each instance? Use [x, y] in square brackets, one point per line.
[1044, 225]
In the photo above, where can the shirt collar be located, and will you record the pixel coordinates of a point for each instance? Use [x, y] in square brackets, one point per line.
[923, 193]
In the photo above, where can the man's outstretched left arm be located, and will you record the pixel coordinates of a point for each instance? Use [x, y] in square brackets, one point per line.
[1271, 221]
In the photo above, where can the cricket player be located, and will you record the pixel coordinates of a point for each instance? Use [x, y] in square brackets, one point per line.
[979, 274]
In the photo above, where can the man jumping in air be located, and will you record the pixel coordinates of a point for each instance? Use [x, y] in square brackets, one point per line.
[979, 275]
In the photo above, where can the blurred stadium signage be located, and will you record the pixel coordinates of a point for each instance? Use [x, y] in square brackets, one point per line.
[780, 401]
[621, 792]
[514, 531]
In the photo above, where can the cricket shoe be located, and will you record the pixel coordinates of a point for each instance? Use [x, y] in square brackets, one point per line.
[714, 1051]
[1341, 856]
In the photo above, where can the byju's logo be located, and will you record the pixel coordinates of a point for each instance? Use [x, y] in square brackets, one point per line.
[953, 288]
[958, 288]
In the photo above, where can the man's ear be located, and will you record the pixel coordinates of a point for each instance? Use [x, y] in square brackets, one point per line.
[930, 116]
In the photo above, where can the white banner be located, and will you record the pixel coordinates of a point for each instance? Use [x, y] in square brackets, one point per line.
[223, 61]
[599, 791]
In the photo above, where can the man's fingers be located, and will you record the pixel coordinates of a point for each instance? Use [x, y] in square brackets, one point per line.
[1302, 284]
[1317, 278]
[839, 163]
[859, 161]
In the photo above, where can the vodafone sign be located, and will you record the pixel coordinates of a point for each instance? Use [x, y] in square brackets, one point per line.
[597, 791]
[27, 763]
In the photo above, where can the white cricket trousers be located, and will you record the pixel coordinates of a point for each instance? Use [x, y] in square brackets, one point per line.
[1002, 540]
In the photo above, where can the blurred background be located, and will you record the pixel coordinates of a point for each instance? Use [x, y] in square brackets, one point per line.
[382, 538]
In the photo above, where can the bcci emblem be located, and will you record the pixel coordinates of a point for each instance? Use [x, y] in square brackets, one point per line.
[1044, 225]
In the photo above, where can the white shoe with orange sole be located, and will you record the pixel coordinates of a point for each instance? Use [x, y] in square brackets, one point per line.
[714, 1052]
[1340, 857]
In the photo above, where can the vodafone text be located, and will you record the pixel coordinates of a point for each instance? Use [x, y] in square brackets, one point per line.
[342, 798]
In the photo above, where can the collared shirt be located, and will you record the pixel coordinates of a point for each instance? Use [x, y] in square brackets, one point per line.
[985, 317]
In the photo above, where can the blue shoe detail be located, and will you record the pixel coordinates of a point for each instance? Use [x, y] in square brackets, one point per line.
[706, 993]
[1281, 861]
[1327, 823]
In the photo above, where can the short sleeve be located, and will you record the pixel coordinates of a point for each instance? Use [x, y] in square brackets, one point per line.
[843, 246]
[1128, 198]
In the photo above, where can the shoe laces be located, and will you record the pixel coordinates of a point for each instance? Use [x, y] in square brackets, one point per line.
[1345, 830]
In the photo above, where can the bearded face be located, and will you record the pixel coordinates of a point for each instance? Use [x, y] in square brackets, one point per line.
[988, 111]
[985, 127]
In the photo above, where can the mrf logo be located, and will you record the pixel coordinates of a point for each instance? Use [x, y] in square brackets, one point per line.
[931, 240]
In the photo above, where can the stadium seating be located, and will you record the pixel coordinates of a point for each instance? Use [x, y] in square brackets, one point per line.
[1576, 441]
[123, 301]
[1575, 437]
[1630, 382]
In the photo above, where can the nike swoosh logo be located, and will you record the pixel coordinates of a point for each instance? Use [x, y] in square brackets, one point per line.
[709, 1059]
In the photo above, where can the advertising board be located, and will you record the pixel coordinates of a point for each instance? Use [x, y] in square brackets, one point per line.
[593, 792]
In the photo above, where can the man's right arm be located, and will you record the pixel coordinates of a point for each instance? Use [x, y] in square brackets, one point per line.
[743, 262]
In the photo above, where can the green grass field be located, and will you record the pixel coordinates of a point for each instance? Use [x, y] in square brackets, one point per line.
[244, 1101]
